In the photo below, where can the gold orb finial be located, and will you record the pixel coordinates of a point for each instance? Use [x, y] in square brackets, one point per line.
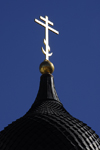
[46, 67]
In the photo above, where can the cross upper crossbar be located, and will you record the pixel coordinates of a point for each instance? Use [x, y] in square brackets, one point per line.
[51, 23]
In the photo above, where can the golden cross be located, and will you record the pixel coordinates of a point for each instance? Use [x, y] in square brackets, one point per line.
[46, 40]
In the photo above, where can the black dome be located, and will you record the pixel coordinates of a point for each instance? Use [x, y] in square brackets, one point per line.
[48, 126]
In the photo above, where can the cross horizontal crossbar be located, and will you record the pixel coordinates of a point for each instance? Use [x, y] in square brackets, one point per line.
[41, 23]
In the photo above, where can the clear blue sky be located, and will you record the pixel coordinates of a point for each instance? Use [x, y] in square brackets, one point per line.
[76, 56]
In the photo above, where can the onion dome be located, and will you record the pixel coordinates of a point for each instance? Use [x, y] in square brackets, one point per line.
[47, 125]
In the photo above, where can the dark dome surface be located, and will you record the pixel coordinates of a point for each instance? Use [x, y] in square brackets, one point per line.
[48, 126]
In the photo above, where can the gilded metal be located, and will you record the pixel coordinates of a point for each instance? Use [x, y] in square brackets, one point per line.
[46, 40]
[46, 67]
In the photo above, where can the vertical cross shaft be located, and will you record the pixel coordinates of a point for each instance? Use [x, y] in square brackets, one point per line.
[47, 39]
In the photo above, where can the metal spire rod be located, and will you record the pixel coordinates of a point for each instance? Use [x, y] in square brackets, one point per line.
[46, 40]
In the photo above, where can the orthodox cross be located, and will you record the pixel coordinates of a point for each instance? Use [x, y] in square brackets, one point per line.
[46, 40]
